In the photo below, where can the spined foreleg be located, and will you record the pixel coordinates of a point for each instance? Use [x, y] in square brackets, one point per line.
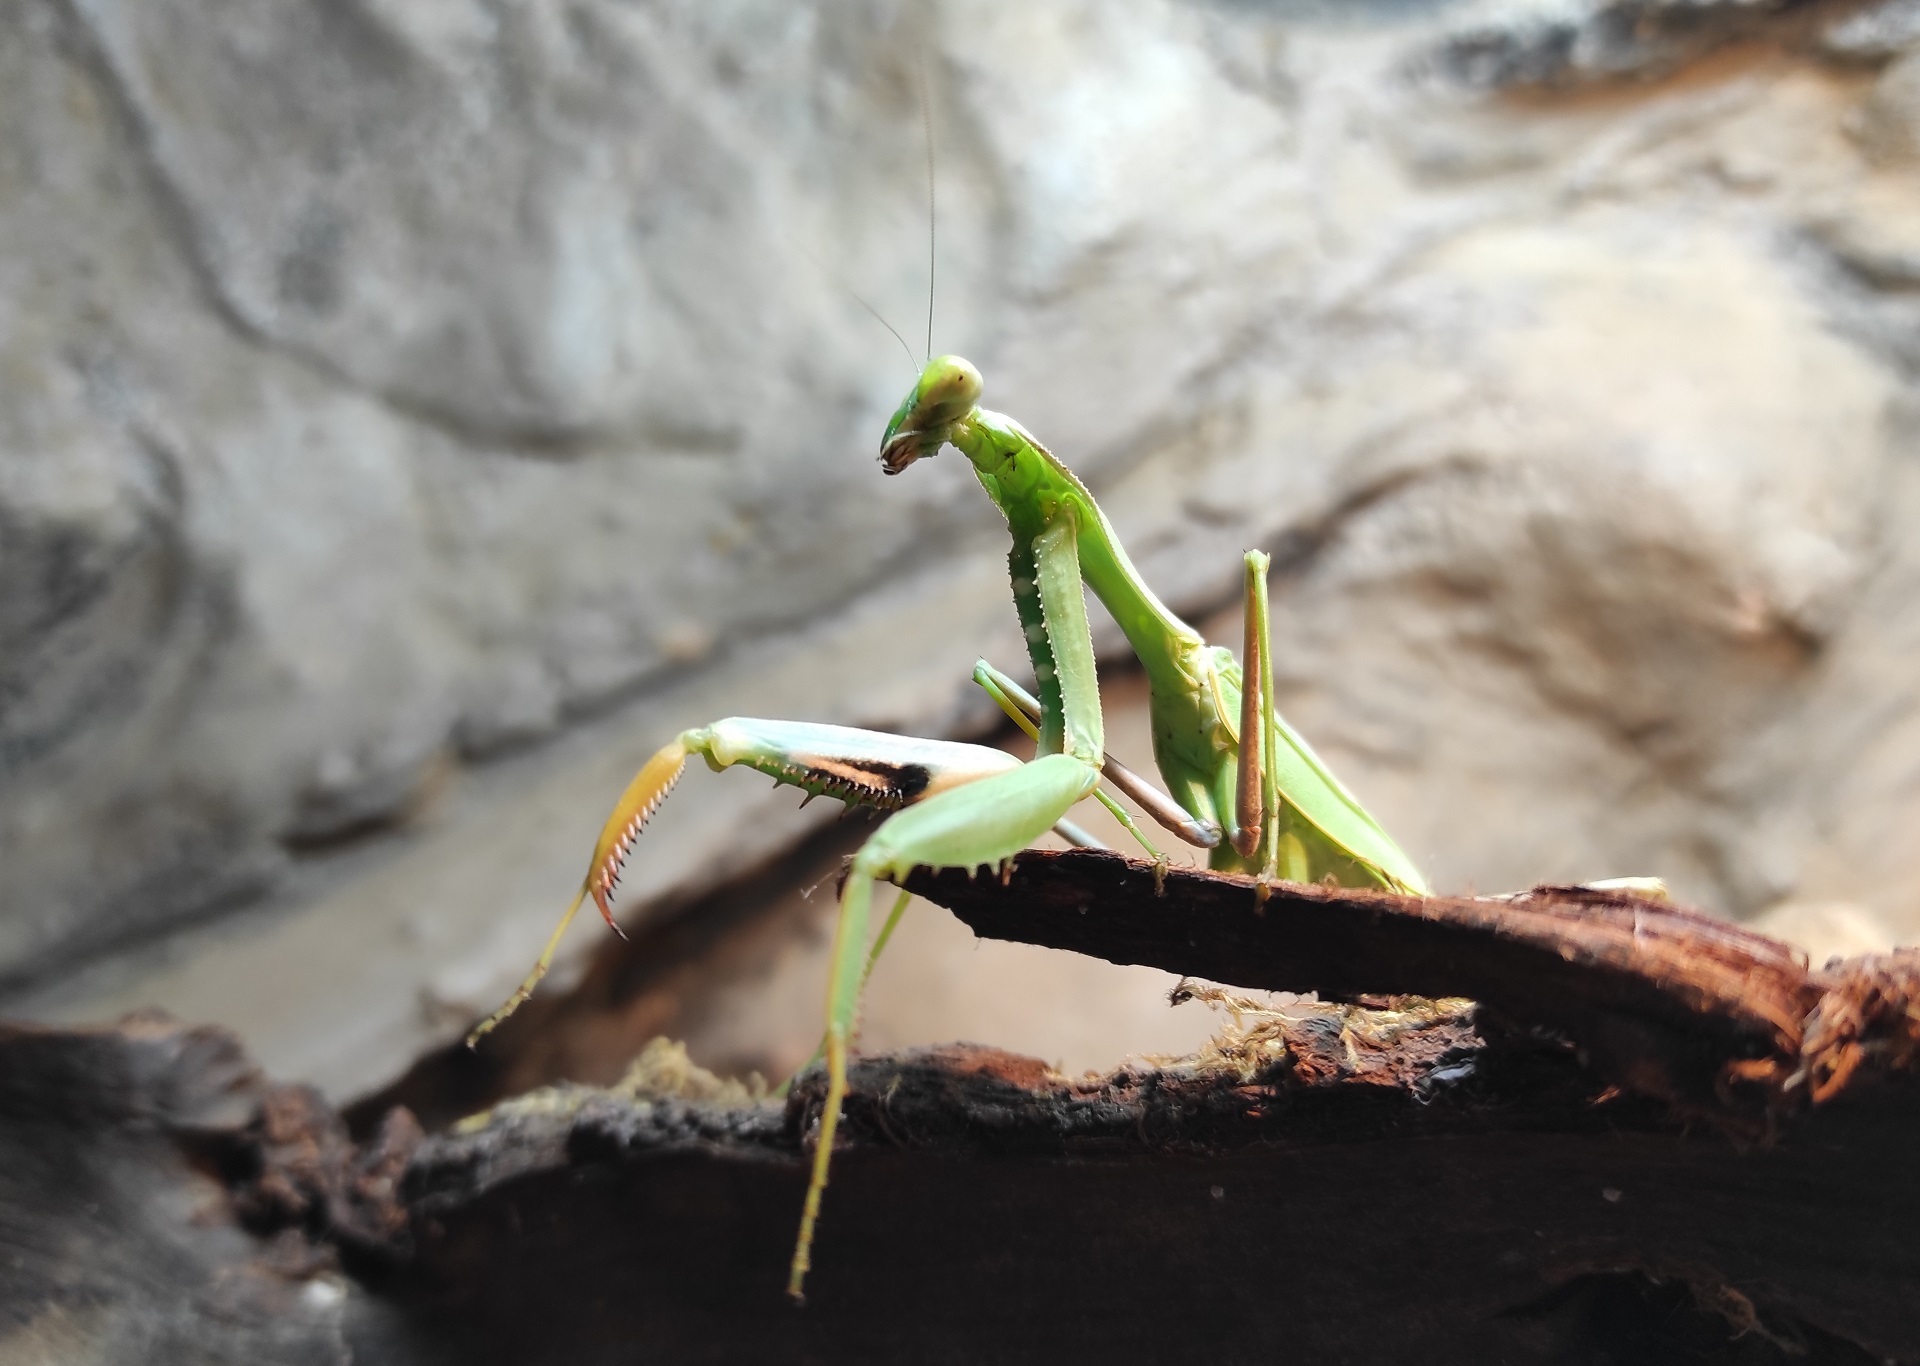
[861, 767]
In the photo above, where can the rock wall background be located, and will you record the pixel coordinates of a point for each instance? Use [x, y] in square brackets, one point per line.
[411, 412]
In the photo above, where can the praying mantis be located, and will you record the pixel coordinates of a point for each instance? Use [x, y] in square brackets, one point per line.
[1238, 781]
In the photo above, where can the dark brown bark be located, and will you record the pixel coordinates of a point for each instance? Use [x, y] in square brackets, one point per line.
[1657, 1138]
[1661, 999]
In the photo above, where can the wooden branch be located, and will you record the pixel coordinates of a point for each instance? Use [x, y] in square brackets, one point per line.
[1666, 1001]
[1404, 1178]
[1361, 1185]
[1408, 1178]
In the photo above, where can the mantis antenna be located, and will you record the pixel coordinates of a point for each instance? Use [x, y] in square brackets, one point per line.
[854, 294]
[926, 123]
[890, 327]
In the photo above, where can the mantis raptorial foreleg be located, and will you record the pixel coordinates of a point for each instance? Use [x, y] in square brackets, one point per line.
[983, 823]
[861, 767]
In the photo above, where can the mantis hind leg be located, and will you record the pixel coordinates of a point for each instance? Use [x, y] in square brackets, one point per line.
[982, 823]
[1023, 709]
[1293, 818]
[1261, 815]
[1256, 805]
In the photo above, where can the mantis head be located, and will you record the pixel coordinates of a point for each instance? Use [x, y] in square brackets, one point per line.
[945, 392]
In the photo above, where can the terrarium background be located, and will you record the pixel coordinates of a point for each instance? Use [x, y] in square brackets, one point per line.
[410, 415]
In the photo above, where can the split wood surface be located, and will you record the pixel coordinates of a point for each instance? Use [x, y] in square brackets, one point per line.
[1665, 1000]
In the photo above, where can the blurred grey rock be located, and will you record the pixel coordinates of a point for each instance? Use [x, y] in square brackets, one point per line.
[1578, 42]
[1889, 127]
[384, 386]
[122, 1147]
[1875, 31]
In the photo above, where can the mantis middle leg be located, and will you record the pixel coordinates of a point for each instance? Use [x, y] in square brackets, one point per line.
[982, 824]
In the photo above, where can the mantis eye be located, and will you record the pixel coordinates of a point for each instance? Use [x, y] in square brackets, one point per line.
[945, 392]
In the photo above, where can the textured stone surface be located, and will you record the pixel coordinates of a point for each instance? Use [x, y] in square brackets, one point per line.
[385, 385]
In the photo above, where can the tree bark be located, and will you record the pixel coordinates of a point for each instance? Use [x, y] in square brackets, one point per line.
[1656, 1137]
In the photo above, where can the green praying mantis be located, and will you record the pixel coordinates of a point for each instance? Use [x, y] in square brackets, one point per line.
[1238, 781]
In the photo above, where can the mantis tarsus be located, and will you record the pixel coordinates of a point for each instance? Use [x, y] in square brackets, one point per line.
[1238, 781]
